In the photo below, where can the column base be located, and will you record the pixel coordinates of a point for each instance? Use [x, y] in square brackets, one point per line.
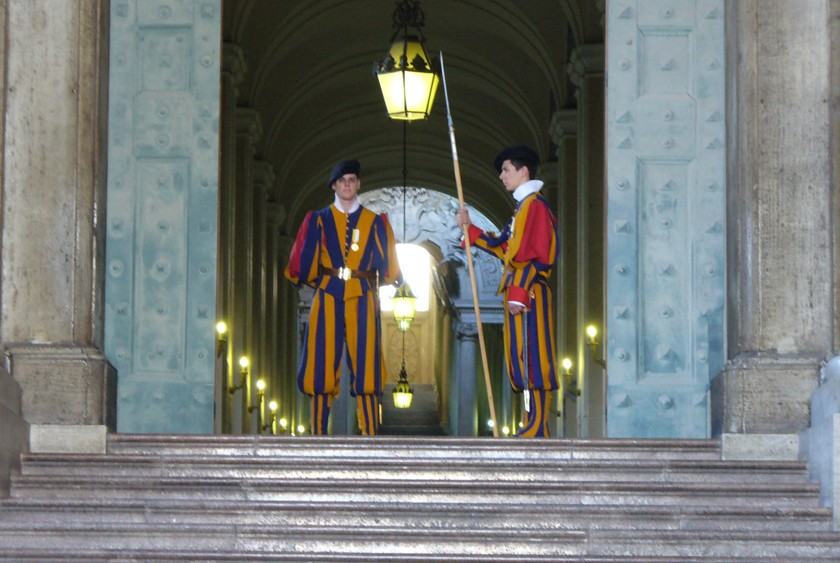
[765, 447]
[64, 384]
[763, 395]
[68, 438]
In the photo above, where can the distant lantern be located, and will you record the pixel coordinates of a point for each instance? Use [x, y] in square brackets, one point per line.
[405, 307]
[403, 394]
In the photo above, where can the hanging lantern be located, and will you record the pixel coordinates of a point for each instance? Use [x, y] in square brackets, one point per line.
[403, 393]
[404, 307]
[406, 77]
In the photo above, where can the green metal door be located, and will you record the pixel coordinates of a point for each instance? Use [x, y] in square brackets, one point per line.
[160, 278]
[666, 214]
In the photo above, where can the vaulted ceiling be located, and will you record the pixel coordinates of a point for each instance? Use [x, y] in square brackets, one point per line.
[309, 77]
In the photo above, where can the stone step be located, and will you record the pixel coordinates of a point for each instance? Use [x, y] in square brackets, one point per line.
[412, 448]
[722, 545]
[396, 490]
[310, 543]
[306, 542]
[16, 513]
[388, 498]
[372, 468]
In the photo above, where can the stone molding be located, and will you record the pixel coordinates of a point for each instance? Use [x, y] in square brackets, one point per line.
[248, 124]
[262, 174]
[233, 63]
[585, 61]
[564, 123]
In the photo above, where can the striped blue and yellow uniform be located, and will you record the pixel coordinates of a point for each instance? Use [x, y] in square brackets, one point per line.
[527, 247]
[344, 312]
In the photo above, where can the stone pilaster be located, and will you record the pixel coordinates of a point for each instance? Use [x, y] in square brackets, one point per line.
[780, 222]
[52, 183]
[287, 348]
[586, 71]
[248, 133]
[273, 273]
[234, 68]
[262, 180]
[563, 131]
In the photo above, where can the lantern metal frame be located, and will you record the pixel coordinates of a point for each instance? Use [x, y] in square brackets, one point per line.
[408, 77]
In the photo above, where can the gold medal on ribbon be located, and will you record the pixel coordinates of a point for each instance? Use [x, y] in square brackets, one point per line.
[355, 246]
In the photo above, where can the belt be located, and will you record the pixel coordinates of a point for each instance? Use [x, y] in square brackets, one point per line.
[347, 273]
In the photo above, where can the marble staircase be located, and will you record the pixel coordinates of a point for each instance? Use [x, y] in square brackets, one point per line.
[249, 498]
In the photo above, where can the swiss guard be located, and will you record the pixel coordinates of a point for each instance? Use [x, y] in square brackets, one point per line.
[527, 247]
[344, 252]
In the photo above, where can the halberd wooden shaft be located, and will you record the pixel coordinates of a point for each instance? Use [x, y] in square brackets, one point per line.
[467, 246]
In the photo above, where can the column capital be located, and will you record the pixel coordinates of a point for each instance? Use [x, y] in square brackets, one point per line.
[466, 331]
[262, 174]
[248, 124]
[233, 63]
[564, 123]
[584, 61]
[276, 214]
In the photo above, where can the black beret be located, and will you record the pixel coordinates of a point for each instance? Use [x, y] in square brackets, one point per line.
[344, 167]
[526, 155]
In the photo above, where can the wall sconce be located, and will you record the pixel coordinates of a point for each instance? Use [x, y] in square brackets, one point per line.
[221, 337]
[592, 342]
[506, 430]
[301, 429]
[569, 376]
[260, 398]
[272, 418]
[284, 424]
[243, 375]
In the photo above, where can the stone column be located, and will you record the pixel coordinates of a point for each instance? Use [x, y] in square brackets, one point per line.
[467, 338]
[248, 132]
[287, 339]
[53, 181]
[564, 127]
[273, 269]
[586, 70]
[233, 73]
[779, 226]
[263, 179]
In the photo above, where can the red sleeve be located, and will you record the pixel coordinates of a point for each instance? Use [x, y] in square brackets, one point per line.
[516, 293]
[293, 269]
[539, 237]
[473, 232]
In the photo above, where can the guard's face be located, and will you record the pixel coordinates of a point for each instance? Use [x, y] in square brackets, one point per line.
[347, 187]
[513, 178]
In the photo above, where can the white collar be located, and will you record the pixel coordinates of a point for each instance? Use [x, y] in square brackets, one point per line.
[526, 189]
[353, 208]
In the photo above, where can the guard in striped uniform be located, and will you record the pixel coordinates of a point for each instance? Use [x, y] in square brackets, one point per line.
[344, 252]
[527, 247]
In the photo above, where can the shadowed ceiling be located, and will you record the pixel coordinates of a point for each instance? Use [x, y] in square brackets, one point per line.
[309, 77]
